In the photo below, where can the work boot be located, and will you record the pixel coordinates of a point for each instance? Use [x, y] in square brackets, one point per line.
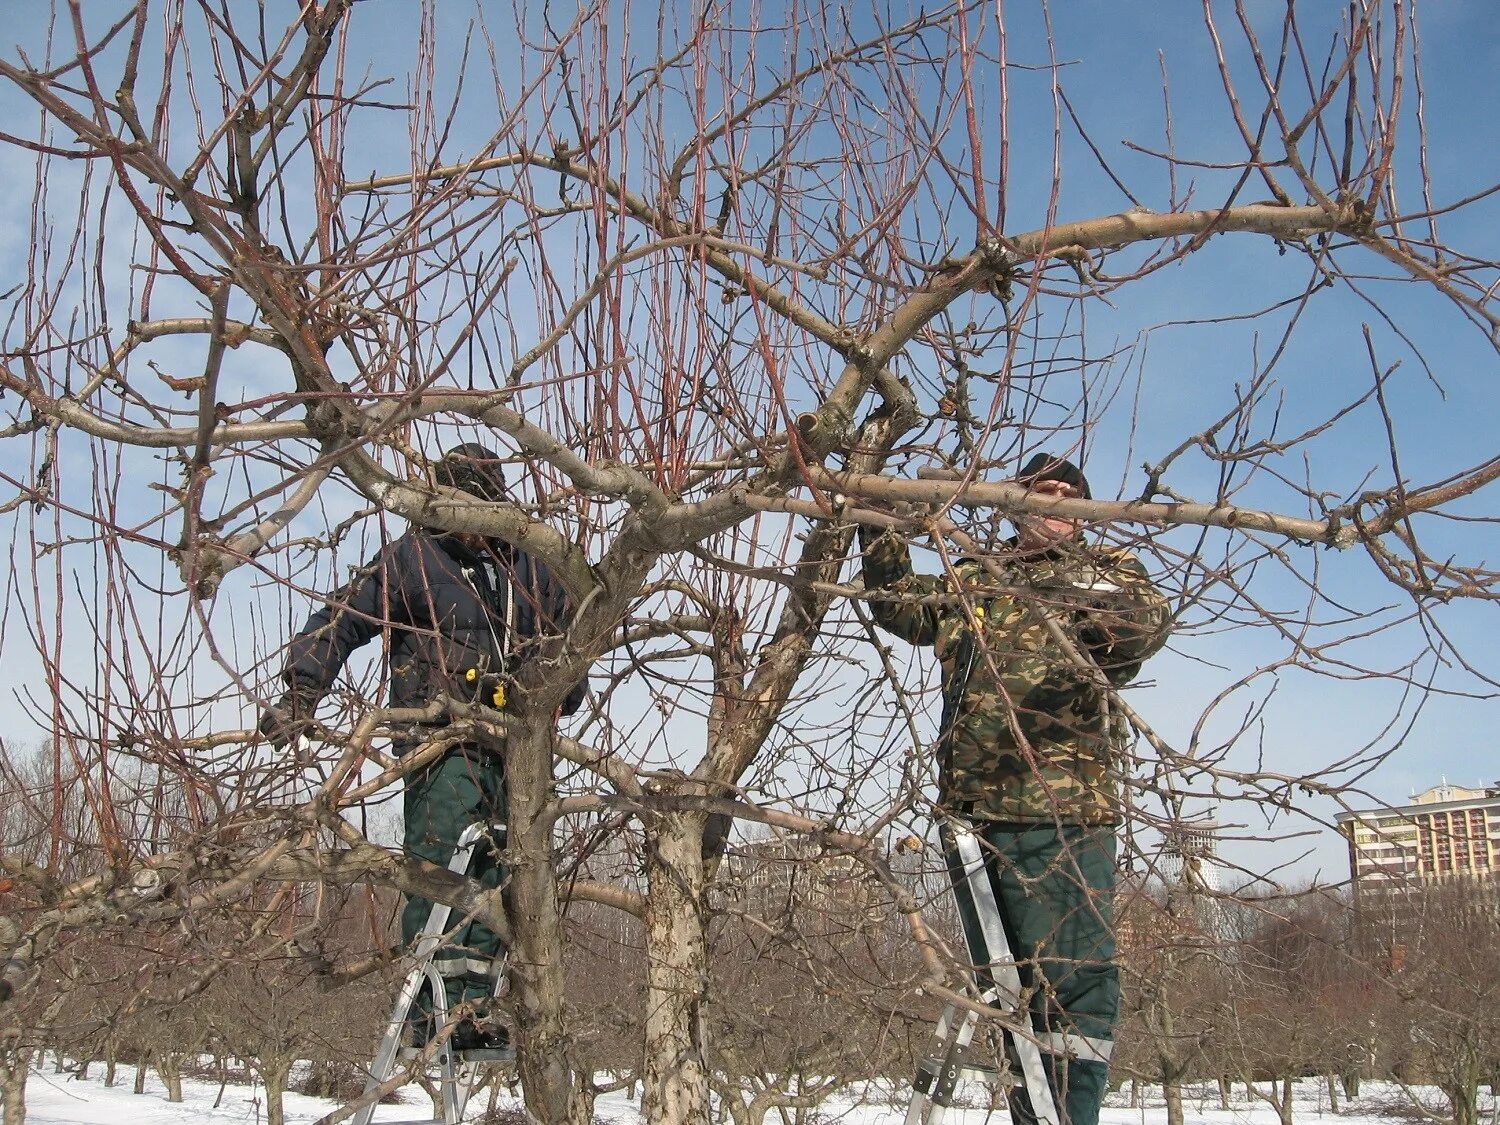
[487, 1042]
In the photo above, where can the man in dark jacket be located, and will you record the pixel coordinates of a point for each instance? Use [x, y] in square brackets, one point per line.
[1029, 753]
[458, 610]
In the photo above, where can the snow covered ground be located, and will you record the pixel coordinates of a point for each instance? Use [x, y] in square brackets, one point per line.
[54, 1099]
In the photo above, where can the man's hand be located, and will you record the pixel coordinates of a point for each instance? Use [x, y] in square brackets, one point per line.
[288, 720]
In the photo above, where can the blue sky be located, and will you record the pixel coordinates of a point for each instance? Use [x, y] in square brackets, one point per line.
[1177, 371]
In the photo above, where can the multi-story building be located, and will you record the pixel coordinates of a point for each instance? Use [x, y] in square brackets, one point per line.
[1447, 831]
[1189, 856]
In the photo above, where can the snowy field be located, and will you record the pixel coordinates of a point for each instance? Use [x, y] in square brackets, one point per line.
[54, 1099]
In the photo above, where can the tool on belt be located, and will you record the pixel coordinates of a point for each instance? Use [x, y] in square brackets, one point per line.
[488, 687]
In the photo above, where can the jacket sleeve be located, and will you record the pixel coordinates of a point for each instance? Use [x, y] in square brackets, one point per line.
[541, 609]
[351, 618]
[887, 569]
[1128, 618]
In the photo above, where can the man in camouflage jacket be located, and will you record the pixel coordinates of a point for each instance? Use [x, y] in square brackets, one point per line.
[1029, 753]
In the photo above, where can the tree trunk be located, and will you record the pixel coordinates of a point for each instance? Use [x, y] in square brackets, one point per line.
[1172, 1091]
[755, 1112]
[140, 1072]
[732, 1108]
[537, 990]
[1350, 1081]
[15, 1064]
[1226, 1088]
[318, 1081]
[1333, 1094]
[273, 1074]
[1463, 1097]
[676, 1074]
[586, 1096]
[1284, 1105]
[169, 1066]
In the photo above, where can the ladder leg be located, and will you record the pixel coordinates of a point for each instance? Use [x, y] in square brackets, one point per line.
[939, 1073]
[997, 983]
[454, 1088]
[1006, 976]
[465, 1072]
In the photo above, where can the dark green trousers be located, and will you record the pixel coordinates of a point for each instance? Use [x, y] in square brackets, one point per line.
[465, 785]
[1054, 886]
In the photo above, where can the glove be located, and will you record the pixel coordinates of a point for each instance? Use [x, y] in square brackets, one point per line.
[288, 719]
[1085, 582]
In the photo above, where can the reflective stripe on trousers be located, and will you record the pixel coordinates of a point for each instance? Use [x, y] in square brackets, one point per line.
[1084, 1047]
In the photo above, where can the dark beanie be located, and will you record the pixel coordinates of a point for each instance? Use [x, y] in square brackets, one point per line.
[473, 469]
[1044, 466]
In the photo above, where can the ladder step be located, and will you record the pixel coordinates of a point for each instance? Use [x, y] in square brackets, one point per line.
[490, 1055]
[474, 1055]
[929, 1070]
[458, 1069]
[986, 1075]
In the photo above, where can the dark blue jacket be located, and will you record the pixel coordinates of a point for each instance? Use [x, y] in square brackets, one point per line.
[448, 610]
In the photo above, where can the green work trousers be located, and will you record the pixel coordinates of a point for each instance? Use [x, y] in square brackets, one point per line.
[1054, 886]
[464, 786]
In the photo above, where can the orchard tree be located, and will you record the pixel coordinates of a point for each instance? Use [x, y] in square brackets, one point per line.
[721, 283]
[1438, 1016]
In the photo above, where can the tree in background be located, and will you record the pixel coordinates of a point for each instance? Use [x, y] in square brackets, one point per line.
[1439, 1023]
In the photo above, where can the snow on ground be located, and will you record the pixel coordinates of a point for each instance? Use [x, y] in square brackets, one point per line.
[54, 1099]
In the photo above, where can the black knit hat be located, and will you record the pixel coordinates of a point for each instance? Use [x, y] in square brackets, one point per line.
[473, 469]
[1044, 466]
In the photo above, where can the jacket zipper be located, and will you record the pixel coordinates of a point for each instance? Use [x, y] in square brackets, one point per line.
[484, 605]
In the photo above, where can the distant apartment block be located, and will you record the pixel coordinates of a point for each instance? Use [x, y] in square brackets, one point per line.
[1445, 832]
[1189, 856]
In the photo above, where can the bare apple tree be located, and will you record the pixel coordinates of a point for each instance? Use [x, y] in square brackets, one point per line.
[722, 284]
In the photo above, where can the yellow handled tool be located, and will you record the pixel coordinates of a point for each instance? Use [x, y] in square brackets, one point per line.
[497, 695]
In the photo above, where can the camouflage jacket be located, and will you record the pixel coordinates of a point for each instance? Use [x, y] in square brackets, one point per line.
[1026, 735]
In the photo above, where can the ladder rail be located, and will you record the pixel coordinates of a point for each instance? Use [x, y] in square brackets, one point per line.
[937, 1074]
[1000, 965]
[455, 1076]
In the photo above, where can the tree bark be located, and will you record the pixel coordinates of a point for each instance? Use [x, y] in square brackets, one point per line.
[543, 1056]
[1463, 1098]
[676, 1074]
[169, 1066]
[274, 1074]
[15, 1063]
[1172, 1091]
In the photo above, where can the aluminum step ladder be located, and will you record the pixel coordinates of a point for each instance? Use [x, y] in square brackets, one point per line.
[456, 1075]
[952, 1057]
